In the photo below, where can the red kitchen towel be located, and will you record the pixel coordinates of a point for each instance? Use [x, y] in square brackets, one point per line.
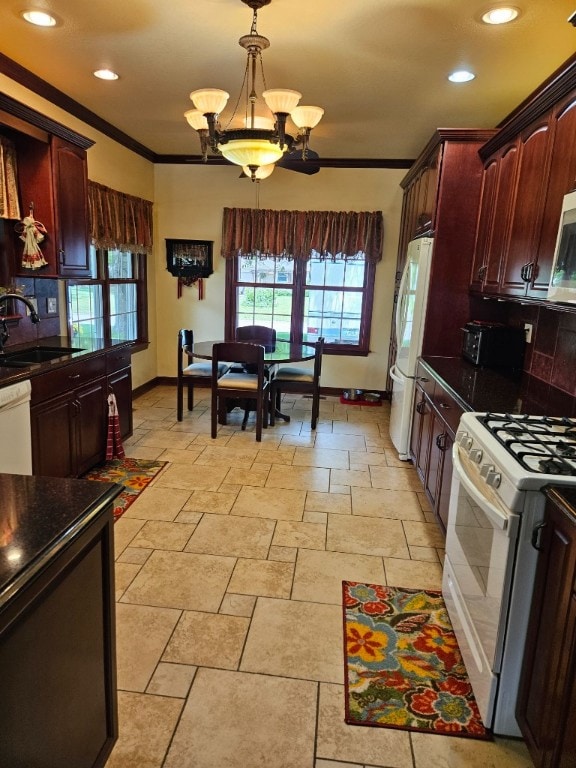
[114, 447]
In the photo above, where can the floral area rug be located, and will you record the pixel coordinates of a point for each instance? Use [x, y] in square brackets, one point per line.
[133, 474]
[403, 665]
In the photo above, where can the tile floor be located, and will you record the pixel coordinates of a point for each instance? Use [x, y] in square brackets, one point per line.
[229, 571]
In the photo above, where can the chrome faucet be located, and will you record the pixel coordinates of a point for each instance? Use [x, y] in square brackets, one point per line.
[4, 334]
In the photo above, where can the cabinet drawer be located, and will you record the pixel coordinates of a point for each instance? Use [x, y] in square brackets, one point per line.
[117, 359]
[68, 377]
[425, 380]
[447, 407]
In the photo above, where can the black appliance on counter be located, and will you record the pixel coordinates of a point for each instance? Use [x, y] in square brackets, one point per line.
[493, 344]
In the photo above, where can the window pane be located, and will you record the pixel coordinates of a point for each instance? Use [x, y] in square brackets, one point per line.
[266, 271]
[265, 306]
[334, 273]
[85, 311]
[335, 315]
[123, 315]
[120, 265]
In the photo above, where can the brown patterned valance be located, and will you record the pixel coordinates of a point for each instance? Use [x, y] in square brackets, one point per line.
[252, 232]
[9, 206]
[118, 220]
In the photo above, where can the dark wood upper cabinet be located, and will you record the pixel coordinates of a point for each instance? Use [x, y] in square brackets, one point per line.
[70, 179]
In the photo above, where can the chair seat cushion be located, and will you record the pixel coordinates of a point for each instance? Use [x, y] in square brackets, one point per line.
[204, 369]
[294, 374]
[238, 381]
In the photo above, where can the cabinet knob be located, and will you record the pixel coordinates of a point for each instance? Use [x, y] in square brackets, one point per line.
[444, 406]
[74, 376]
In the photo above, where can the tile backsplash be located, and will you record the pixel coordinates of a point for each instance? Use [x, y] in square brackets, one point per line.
[49, 325]
[551, 357]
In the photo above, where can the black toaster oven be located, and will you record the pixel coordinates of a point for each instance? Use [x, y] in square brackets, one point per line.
[493, 344]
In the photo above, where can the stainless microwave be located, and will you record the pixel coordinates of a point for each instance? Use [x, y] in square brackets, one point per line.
[562, 286]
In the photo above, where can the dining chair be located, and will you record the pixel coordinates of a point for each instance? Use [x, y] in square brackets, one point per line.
[240, 384]
[299, 381]
[257, 334]
[191, 374]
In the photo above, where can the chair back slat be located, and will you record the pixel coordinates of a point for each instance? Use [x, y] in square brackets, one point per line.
[258, 334]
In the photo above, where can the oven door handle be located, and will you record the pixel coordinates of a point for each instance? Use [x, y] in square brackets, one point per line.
[498, 517]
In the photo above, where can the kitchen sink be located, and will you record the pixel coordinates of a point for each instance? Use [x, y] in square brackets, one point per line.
[35, 355]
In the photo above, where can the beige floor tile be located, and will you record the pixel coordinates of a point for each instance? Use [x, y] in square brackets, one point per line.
[424, 553]
[448, 752]
[180, 455]
[303, 441]
[181, 580]
[125, 573]
[351, 477]
[366, 536]
[137, 659]
[412, 574]
[157, 534]
[269, 578]
[143, 452]
[395, 479]
[423, 534]
[306, 534]
[193, 518]
[318, 576]
[216, 503]
[321, 457]
[124, 531]
[206, 479]
[283, 554]
[365, 428]
[299, 478]
[362, 459]
[238, 605]
[378, 502]
[337, 441]
[207, 640]
[295, 639]
[279, 504]
[134, 555]
[282, 456]
[341, 489]
[259, 721]
[146, 725]
[334, 503]
[164, 438]
[232, 536]
[315, 517]
[171, 680]
[338, 764]
[227, 456]
[423, 500]
[255, 476]
[355, 743]
[157, 503]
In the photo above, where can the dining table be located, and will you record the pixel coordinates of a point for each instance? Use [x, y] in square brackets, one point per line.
[280, 352]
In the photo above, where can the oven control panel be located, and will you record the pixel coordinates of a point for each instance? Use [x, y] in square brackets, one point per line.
[487, 470]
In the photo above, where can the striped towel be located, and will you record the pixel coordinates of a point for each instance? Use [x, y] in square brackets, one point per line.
[114, 447]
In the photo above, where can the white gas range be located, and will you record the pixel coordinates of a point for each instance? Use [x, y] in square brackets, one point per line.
[501, 464]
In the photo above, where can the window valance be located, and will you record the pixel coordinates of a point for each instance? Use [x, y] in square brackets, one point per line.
[118, 220]
[9, 207]
[300, 234]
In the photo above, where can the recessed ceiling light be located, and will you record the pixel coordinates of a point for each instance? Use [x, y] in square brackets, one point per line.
[461, 76]
[502, 15]
[39, 18]
[106, 74]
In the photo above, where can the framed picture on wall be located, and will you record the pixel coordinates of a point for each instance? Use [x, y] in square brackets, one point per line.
[189, 258]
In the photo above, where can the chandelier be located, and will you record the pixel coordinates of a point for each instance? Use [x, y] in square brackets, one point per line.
[263, 139]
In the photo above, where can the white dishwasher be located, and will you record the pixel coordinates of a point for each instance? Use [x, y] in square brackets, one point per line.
[15, 430]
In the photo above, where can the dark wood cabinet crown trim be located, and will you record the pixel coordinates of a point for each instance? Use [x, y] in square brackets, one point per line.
[545, 97]
[37, 119]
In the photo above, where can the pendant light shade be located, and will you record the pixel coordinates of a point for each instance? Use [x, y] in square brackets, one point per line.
[306, 117]
[196, 119]
[210, 100]
[248, 151]
[281, 100]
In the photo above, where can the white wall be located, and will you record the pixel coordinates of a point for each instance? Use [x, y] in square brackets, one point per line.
[189, 202]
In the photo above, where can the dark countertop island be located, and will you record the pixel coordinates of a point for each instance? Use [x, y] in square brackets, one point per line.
[57, 625]
[499, 391]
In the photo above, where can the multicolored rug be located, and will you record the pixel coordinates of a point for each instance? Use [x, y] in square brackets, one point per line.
[133, 474]
[403, 665]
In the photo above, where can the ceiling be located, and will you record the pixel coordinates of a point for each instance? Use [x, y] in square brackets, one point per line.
[378, 67]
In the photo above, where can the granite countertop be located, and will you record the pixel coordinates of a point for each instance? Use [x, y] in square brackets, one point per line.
[564, 496]
[86, 348]
[38, 516]
[499, 391]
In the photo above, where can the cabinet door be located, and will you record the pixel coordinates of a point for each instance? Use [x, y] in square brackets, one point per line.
[420, 439]
[503, 207]
[53, 437]
[519, 262]
[91, 425]
[120, 383]
[543, 689]
[562, 179]
[436, 455]
[70, 183]
[445, 479]
[484, 227]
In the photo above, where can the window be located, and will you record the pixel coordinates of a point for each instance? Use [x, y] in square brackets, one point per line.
[111, 305]
[304, 299]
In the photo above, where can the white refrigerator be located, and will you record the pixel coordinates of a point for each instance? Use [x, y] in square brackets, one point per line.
[409, 327]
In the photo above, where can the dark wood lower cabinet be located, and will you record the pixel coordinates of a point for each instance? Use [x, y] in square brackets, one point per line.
[547, 702]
